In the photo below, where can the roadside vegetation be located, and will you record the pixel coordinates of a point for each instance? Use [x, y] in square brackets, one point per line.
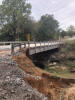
[65, 65]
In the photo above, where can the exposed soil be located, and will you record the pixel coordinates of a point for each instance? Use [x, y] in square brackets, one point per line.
[53, 87]
[70, 93]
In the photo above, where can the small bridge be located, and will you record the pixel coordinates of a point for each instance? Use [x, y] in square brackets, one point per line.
[32, 47]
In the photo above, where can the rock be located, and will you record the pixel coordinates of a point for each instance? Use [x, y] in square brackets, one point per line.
[53, 64]
[12, 85]
[72, 70]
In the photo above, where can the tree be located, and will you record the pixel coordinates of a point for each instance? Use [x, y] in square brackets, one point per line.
[35, 30]
[48, 26]
[71, 31]
[63, 33]
[15, 15]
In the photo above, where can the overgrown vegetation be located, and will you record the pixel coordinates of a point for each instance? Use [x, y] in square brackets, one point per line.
[66, 61]
[68, 52]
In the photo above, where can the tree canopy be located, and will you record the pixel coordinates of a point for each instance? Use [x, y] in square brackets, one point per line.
[48, 26]
[16, 22]
[14, 17]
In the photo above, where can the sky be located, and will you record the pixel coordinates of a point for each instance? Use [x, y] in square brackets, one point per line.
[63, 10]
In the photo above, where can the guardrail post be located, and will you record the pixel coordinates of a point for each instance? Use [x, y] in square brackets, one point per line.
[35, 47]
[12, 48]
[20, 46]
[40, 46]
[24, 45]
[28, 44]
[48, 44]
[51, 44]
[44, 45]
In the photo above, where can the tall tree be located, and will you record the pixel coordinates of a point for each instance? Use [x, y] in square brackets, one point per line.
[14, 14]
[48, 26]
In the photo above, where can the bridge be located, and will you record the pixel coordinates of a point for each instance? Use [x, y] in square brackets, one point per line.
[32, 47]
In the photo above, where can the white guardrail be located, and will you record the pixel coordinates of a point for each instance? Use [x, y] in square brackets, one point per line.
[24, 44]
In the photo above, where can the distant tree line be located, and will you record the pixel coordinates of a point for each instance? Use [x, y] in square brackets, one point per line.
[16, 22]
[70, 31]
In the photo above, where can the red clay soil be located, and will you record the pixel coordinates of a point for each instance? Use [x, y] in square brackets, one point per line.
[45, 83]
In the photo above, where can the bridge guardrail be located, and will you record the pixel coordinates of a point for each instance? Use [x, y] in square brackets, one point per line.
[30, 45]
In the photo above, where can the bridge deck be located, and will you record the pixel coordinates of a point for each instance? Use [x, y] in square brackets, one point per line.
[34, 47]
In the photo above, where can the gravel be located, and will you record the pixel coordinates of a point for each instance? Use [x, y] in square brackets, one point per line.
[12, 85]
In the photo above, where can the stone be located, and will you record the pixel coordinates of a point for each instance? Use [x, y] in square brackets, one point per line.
[12, 85]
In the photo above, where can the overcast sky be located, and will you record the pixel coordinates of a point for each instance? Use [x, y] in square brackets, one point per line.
[63, 10]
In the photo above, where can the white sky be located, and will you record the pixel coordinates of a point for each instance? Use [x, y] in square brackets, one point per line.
[63, 10]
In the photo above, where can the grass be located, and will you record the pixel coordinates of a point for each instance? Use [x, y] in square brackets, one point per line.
[58, 72]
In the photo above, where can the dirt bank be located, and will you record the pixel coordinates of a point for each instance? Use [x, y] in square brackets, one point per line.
[43, 81]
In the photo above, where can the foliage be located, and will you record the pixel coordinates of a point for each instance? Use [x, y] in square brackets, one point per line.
[69, 46]
[14, 17]
[71, 31]
[63, 33]
[48, 27]
[16, 23]
[65, 61]
[69, 51]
